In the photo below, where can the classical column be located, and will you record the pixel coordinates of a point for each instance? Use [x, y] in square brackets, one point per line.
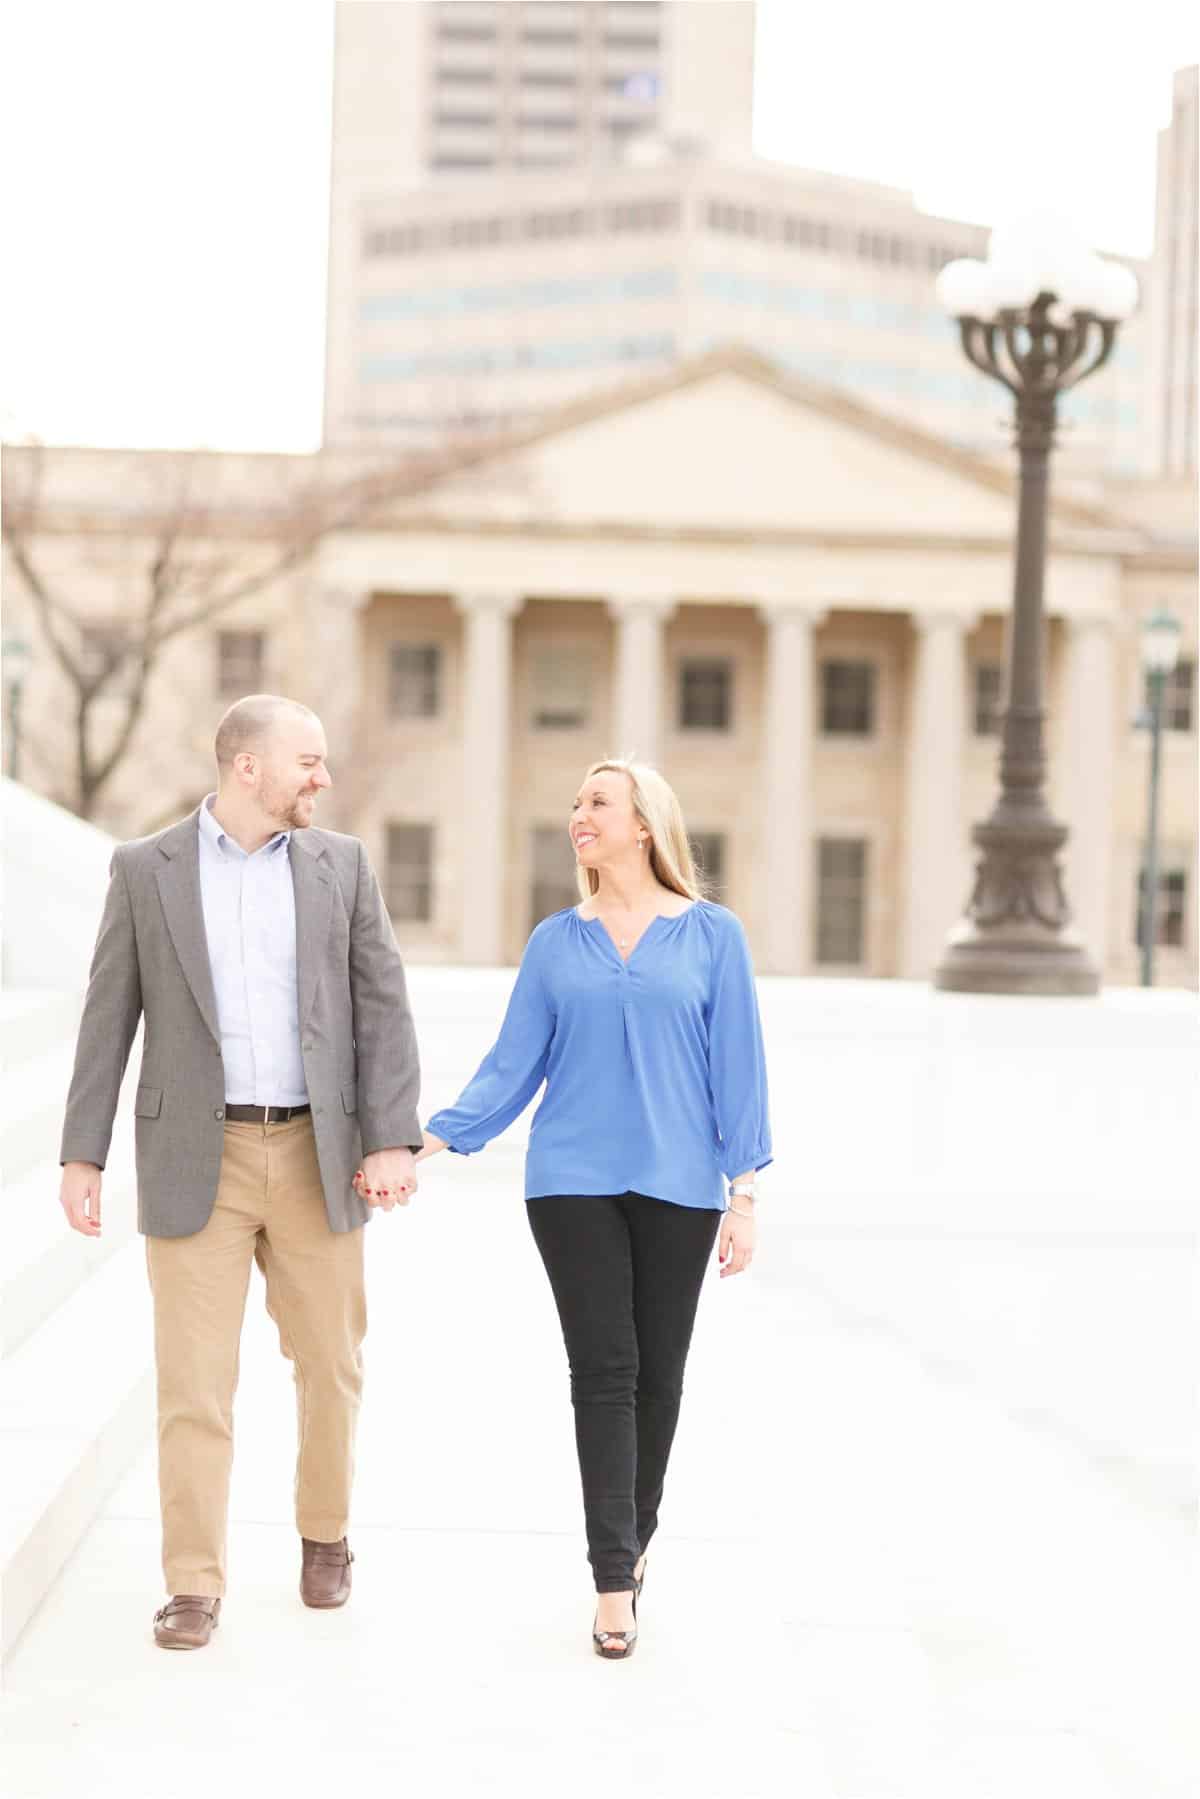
[483, 825]
[637, 687]
[331, 682]
[1086, 777]
[937, 852]
[786, 825]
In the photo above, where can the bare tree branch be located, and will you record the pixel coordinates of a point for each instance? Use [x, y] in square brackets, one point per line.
[204, 555]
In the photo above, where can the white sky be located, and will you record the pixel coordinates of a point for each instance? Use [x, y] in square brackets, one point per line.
[168, 162]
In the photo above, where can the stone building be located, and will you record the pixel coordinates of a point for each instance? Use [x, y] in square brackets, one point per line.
[793, 605]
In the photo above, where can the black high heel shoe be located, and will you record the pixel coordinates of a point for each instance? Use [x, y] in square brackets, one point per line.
[626, 1639]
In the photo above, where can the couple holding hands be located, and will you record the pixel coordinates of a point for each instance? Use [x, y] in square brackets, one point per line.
[276, 1109]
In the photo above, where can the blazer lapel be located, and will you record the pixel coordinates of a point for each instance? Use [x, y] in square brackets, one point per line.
[312, 882]
[179, 891]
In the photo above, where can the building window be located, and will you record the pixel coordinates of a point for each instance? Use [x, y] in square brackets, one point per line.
[708, 851]
[554, 881]
[110, 647]
[561, 689]
[1179, 697]
[847, 699]
[241, 656]
[455, 77]
[989, 698]
[1169, 911]
[547, 121]
[465, 34]
[414, 680]
[705, 694]
[841, 899]
[409, 872]
[449, 121]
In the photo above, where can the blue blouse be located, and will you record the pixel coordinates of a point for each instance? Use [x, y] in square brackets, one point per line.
[655, 1073]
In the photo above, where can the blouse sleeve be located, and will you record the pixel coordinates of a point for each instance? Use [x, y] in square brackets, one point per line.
[511, 1072]
[737, 1062]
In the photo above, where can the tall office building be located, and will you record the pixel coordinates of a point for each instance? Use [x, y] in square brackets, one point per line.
[442, 90]
[1174, 311]
[491, 260]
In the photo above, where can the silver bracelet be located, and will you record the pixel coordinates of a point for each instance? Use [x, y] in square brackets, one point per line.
[738, 1210]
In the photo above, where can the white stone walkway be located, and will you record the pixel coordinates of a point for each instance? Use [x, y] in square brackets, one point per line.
[929, 1528]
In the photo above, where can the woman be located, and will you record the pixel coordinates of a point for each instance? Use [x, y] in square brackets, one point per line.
[638, 1009]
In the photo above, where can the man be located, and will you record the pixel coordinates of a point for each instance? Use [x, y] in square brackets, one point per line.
[279, 1057]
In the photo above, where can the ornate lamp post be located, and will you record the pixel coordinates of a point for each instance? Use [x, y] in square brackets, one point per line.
[1160, 648]
[1039, 316]
[15, 657]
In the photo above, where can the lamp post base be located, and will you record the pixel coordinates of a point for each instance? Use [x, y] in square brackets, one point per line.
[1016, 935]
[1015, 959]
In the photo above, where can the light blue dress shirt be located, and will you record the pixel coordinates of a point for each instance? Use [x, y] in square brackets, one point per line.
[250, 922]
[655, 1071]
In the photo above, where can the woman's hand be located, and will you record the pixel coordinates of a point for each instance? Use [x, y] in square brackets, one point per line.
[739, 1236]
[429, 1146]
[386, 1178]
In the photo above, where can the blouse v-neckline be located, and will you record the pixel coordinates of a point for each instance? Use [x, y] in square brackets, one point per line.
[670, 917]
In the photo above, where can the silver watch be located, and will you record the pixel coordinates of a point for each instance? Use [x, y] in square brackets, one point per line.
[741, 1193]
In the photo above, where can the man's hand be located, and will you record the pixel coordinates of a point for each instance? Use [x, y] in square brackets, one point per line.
[387, 1178]
[79, 1197]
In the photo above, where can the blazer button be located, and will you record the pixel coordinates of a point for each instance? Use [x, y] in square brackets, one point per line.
[218, 1113]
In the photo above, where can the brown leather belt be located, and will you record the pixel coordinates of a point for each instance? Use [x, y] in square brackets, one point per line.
[264, 1114]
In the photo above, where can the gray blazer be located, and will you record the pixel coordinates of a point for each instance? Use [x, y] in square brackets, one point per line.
[357, 1039]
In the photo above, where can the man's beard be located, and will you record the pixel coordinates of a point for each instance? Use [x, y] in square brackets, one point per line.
[288, 809]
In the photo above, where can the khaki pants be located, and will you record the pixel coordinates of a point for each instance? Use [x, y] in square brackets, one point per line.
[269, 1208]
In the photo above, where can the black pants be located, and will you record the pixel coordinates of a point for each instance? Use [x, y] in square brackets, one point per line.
[626, 1272]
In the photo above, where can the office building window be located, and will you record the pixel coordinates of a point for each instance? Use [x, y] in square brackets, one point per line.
[408, 874]
[1170, 908]
[241, 656]
[449, 120]
[989, 698]
[708, 850]
[1179, 697]
[465, 34]
[414, 680]
[841, 900]
[705, 694]
[446, 76]
[561, 682]
[847, 699]
[554, 883]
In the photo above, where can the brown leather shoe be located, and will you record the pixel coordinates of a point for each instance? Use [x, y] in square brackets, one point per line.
[325, 1572]
[187, 1621]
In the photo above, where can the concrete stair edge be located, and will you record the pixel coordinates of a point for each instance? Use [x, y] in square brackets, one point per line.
[76, 1409]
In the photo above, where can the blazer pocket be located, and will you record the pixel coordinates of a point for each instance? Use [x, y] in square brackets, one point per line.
[148, 1103]
[350, 1098]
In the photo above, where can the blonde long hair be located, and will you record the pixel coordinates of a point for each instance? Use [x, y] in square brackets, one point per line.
[656, 805]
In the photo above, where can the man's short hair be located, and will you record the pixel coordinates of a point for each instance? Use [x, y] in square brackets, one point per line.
[251, 722]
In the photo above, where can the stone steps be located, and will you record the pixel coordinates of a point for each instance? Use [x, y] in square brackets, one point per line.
[76, 1382]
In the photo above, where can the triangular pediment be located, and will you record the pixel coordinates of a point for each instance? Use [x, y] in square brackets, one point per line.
[730, 442]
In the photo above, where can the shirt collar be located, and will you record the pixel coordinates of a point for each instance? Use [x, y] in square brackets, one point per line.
[220, 840]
